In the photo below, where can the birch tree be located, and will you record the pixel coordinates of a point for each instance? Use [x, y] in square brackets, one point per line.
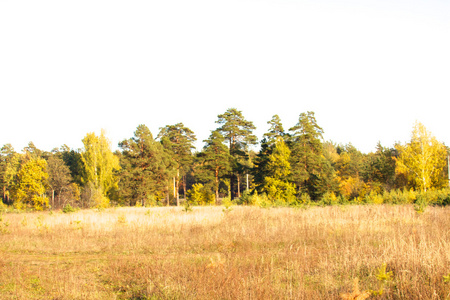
[100, 165]
[423, 159]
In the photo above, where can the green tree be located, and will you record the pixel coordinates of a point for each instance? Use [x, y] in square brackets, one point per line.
[381, 168]
[146, 167]
[239, 134]
[9, 165]
[423, 159]
[72, 159]
[276, 130]
[267, 144]
[311, 171]
[30, 183]
[100, 165]
[214, 161]
[59, 178]
[178, 140]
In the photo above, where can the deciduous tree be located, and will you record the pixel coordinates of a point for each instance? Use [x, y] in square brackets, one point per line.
[30, 183]
[276, 183]
[100, 165]
[423, 159]
[9, 165]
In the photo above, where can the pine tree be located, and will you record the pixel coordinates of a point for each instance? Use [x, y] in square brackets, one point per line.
[59, 178]
[311, 171]
[276, 130]
[146, 167]
[178, 140]
[239, 134]
[381, 165]
[267, 144]
[214, 161]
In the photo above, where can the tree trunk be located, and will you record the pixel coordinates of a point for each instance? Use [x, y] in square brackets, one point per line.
[53, 199]
[174, 190]
[232, 194]
[184, 187]
[217, 186]
[177, 185]
[168, 196]
[239, 186]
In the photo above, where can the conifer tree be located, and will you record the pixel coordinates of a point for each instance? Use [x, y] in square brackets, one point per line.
[276, 130]
[178, 140]
[381, 165]
[311, 172]
[238, 132]
[59, 178]
[267, 144]
[146, 167]
[214, 161]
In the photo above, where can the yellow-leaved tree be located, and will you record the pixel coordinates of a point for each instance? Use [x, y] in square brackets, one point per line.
[422, 160]
[276, 183]
[100, 165]
[30, 183]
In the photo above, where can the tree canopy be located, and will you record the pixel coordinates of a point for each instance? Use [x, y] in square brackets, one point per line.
[289, 167]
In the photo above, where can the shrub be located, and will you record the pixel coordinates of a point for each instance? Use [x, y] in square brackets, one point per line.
[443, 197]
[329, 198]
[3, 207]
[68, 209]
[200, 195]
[304, 199]
[374, 198]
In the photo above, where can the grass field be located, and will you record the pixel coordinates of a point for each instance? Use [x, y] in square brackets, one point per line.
[245, 253]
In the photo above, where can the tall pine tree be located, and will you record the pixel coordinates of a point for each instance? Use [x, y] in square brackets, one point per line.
[145, 167]
[311, 171]
[178, 140]
[214, 161]
[238, 132]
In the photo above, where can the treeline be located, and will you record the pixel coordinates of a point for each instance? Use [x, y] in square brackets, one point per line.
[291, 167]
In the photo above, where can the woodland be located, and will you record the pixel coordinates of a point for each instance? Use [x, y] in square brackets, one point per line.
[292, 167]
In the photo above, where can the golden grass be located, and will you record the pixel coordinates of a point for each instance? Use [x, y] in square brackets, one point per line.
[248, 253]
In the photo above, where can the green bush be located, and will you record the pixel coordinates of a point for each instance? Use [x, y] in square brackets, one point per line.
[68, 209]
[329, 198]
[3, 207]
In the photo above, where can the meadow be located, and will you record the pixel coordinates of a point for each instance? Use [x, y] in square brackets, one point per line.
[241, 252]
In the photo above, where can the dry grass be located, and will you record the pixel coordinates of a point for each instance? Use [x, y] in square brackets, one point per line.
[248, 253]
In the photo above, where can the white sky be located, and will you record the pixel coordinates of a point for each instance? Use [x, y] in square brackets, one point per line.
[368, 69]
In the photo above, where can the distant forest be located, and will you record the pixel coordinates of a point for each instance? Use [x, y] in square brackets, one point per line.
[291, 167]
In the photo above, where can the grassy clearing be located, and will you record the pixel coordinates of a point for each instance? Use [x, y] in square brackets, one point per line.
[243, 253]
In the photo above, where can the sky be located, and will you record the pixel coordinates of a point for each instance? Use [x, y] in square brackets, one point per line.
[368, 69]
